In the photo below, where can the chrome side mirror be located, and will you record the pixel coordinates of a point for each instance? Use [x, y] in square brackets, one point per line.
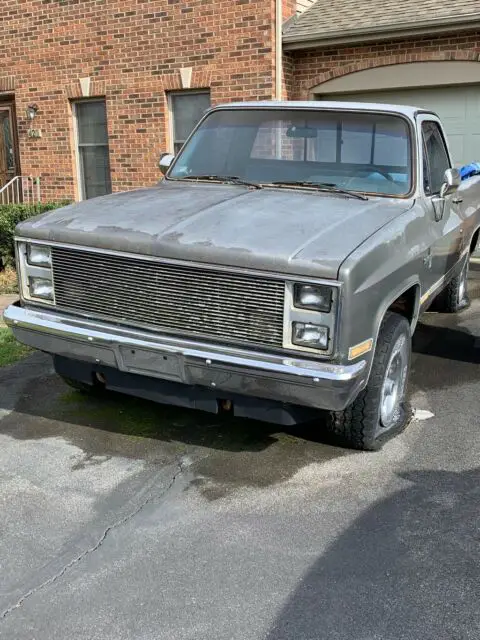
[165, 161]
[452, 180]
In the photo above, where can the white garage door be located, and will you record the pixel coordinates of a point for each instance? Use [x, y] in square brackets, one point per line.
[458, 107]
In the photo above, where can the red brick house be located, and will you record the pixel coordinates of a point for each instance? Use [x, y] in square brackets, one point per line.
[91, 91]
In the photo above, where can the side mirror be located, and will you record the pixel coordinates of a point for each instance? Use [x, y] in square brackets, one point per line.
[452, 180]
[165, 161]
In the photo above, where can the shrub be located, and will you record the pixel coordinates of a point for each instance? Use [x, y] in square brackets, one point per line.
[8, 281]
[10, 216]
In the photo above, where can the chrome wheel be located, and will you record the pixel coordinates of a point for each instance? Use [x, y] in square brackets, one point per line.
[393, 388]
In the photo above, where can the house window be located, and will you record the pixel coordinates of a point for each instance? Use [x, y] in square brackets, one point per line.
[92, 142]
[186, 109]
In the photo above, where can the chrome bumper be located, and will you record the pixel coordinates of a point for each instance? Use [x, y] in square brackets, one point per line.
[225, 369]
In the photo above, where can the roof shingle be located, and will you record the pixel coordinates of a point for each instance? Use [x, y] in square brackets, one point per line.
[328, 18]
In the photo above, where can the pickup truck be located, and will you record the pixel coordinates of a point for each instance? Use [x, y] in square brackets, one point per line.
[276, 272]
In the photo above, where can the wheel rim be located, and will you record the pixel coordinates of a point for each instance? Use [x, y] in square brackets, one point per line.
[393, 388]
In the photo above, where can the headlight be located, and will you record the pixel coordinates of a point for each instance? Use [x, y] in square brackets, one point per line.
[313, 297]
[305, 334]
[35, 271]
[40, 288]
[39, 255]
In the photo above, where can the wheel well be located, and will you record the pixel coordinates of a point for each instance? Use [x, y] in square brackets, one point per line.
[407, 304]
[474, 240]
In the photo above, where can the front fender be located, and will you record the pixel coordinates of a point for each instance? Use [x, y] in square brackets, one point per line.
[375, 275]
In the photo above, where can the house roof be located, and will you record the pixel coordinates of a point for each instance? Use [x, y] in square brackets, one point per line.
[337, 21]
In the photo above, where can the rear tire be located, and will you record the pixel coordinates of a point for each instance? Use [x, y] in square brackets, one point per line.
[454, 297]
[382, 409]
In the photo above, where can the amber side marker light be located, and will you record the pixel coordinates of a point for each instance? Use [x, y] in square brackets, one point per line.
[360, 349]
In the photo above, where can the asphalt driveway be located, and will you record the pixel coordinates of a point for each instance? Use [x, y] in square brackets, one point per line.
[125, 520]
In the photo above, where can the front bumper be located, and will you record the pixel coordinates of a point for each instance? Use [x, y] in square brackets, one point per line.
[221, 369]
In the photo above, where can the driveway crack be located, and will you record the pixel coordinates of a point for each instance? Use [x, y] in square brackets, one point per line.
[180, 467]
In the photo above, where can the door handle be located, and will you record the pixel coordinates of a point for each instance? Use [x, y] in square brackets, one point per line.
[457, 200]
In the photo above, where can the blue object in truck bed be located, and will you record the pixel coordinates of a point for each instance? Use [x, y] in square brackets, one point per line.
[470, 170]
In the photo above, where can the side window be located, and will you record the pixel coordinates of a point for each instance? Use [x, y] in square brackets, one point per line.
[436, 161]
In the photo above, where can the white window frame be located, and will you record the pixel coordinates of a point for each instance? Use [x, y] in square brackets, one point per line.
[78, 168]
[171, 117]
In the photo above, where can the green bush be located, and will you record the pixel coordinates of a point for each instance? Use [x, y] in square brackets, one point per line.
[10, 216]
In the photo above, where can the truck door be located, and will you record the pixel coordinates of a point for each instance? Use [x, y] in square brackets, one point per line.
[443, 215]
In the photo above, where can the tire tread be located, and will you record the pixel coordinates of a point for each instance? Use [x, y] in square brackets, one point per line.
[355, 425]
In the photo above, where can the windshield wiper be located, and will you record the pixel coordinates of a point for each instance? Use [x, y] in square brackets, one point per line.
[323, 186]
[230, 179]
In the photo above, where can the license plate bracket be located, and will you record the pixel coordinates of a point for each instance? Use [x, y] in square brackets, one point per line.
[168, 366]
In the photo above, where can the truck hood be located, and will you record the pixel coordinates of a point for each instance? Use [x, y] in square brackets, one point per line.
[291, 231]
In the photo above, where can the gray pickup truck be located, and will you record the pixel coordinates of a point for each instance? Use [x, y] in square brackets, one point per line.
[278, 269]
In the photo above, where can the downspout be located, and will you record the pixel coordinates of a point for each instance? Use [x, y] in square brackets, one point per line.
[278, 49]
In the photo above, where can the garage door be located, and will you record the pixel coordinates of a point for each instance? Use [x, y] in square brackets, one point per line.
[458, 107]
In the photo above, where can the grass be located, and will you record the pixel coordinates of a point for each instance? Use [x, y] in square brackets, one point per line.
[8, 281]
[10, 349]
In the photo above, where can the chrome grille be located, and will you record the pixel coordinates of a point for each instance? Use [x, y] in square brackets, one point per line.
[227, 307]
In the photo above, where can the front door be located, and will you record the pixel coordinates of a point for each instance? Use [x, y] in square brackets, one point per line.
[9, 166]
[445, 233]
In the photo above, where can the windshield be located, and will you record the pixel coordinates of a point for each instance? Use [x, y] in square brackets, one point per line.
[363, 152]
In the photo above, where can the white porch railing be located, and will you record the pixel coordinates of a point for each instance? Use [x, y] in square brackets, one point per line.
[21, 189]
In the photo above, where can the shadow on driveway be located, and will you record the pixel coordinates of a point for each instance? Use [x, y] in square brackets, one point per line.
[449, 343]
[408, 569]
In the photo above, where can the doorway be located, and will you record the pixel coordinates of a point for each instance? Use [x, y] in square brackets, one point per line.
[9, 156]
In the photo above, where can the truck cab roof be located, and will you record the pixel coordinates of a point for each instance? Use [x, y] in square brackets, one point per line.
[323, 105]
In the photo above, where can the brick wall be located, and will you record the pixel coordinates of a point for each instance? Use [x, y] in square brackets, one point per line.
[132, 50]
[312, 67]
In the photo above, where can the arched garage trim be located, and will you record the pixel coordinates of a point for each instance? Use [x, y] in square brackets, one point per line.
[436, 68]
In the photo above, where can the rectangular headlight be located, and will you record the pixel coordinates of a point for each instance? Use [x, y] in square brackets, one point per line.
[39, 255]
[40, 288]
[314, 297]
[305, 334]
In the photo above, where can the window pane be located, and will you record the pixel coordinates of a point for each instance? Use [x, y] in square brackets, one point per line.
[436, 154]
[95, 170]
[92, 122]
[187, 109]
[94, 159]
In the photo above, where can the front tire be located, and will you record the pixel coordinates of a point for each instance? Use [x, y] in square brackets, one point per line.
[382, 409]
